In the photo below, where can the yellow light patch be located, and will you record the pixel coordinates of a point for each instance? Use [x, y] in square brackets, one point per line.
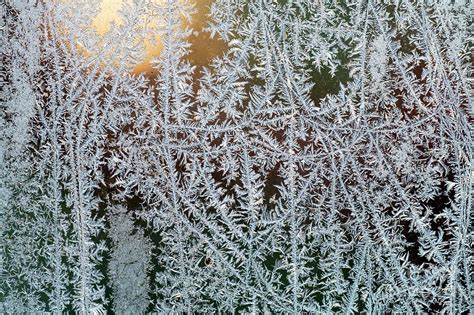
[110, 14]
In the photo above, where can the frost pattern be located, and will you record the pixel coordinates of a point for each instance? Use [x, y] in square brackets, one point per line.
[320, 163]
[128, 264]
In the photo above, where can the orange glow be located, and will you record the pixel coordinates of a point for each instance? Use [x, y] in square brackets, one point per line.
[107, 21]
[110, 14]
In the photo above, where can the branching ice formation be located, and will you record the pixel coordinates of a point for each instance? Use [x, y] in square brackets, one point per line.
[322, 163]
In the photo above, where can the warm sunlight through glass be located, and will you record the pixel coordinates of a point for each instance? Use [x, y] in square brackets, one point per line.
[109, 12]
[109, 15]
[112, 39]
